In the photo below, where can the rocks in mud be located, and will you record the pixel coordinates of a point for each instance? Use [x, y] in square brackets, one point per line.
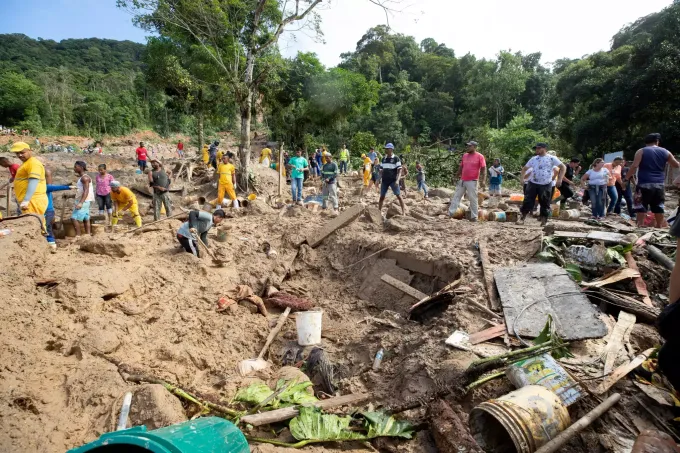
[449, 428]
[440, 192]
[402, 223]
[95, 339]
[155, 407]
[393, 210]
[113, 249]
[373, 215]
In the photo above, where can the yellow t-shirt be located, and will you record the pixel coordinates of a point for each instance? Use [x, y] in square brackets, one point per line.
[32, 168]
[219, 155]
[206, 154]
[225, 171]
[265, 154]
[124, 197]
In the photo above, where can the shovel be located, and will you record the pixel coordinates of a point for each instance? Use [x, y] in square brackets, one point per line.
[216, 261]
[245, 367]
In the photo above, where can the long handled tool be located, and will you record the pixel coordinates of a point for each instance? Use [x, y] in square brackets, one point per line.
[245, 367]
[216, 260]
[155, 222]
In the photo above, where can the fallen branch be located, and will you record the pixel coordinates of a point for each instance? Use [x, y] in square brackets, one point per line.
[658, 256]
[565, 436]
[480, 366]
[630, 304]
[286, 413]
[484, 380]
[494, 302]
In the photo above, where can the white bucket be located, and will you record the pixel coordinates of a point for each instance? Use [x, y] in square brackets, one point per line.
[308, 325]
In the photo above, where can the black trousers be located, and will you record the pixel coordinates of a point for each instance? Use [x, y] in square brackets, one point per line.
[544, 196]
[189, 245]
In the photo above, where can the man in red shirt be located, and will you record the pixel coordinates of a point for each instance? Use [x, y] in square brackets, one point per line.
[6, 163]
[141, 157]
[472, 169]
[180, 149]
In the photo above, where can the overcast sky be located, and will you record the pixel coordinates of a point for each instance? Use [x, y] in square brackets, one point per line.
[558, 29]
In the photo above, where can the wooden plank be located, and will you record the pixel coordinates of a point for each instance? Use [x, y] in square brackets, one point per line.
[622, 371]
[279, 415]
[494, 302]
[488, 334]
[345, 218]
[616, 276]
[640, 285]
[403, 287]
[606, 236]
[623, 327]
[570, 234]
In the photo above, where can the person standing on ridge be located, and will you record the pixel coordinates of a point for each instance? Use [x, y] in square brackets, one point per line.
[141, 157]
[180, 149]
[160, 183]
[650, 164]
[84, 197]
[420, 178]
[540, 182]
[472, 171]
[390, 171]
[30, 187]
[344, 159]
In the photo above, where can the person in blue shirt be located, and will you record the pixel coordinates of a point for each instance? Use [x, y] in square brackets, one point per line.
[49, 213]
[496, 172]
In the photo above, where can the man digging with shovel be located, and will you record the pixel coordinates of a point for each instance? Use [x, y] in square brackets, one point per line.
[196, 229]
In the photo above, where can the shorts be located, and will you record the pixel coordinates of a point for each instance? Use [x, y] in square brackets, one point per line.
[394, 185]
[652, 200]
[141, 164]
[104, 202]
[82, 214]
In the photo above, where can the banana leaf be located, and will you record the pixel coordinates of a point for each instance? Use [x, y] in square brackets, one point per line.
[549, 335]
[253, 394]
[574, 271]
[295, 393]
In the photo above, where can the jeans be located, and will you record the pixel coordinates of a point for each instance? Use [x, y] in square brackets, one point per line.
[49, 220]
[330, 193]
[296, 188]
[596, 194]
[422, 185]
[613, 198]
[544, 195]
[463, 187]
[628, 196]
[343, 166]
[158, 199]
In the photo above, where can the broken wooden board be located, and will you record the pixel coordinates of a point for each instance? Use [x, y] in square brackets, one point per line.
[494, 303]
[640, 285]
[616, 276]
[616, 340]
[605, 236]
[379, 293]
[487, 334]
[403, 287]
[622, 371]
[531, 292]
[345, 218]
[617, 226]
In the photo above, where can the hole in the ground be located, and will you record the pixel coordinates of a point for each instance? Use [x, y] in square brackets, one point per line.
[110, 296]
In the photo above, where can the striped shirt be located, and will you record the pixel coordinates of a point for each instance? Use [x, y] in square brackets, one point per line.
[391, 166]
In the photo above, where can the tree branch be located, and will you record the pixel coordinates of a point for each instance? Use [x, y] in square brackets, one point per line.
[281, 27]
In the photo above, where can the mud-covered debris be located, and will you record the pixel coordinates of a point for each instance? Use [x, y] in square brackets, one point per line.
[449, 428]
[154, 407]
[283, 299]
[106, 247]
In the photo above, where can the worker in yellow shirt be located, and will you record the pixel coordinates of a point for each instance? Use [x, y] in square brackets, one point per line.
[206, 154]
[124, 201]
[30, 187]
[367, 167]
[226, 173]
[324, 153]
[220, 153]
[265, 156]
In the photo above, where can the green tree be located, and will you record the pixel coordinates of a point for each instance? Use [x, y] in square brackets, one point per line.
[19, 98]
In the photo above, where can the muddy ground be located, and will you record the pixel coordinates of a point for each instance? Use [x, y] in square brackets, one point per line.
[77, 321]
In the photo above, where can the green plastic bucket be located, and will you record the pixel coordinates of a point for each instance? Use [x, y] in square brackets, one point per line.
[203, 435]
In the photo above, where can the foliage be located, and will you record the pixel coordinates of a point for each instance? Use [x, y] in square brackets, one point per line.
[362, 142]
[289, 393]
[549, 335]
[514, 142]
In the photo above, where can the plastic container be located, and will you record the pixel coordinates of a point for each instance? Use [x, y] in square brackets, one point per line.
[516, 197]
[544, 371]
[203, 435]
[378, 360]
[511, 216]
[308, 325]
[528, 418]
[570, 214]
[554, 211]
[5, 232]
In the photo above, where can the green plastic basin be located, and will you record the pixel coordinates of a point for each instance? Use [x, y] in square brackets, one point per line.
[203, 435]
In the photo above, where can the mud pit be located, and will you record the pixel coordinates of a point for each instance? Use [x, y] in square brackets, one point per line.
[78, 321]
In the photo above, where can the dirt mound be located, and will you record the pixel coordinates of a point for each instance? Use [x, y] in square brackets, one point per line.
[154, 407]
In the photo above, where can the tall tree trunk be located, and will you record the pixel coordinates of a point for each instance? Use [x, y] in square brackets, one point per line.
[201, 139]
[246, 117]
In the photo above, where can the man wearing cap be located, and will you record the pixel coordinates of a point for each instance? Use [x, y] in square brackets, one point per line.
[390, 169]
[124, 200]
[84, 197]
[540, 182]
[472, 169]
[30, 187]
[329, 175]
[197, 227]
[650, 163]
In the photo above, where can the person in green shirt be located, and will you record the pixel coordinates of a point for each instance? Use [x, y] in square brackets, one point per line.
[344, 159]
[329, 175]
[299, 166]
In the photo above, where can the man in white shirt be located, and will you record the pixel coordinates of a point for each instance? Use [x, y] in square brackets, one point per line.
[540, 182]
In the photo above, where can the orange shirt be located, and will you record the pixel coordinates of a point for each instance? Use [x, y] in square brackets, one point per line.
[614, 174]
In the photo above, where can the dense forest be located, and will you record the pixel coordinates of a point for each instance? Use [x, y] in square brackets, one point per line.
[419, 95]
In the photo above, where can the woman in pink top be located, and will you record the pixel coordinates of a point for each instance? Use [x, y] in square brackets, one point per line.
[614, 176]
[103, 191]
